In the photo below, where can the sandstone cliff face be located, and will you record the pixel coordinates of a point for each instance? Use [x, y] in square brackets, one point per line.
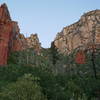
[4, 14]
[19, 43]
[22, 43]
[8, 30]
[33, 42]
[81, 34]
[10, 37]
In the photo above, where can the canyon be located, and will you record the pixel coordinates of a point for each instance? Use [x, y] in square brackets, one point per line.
[84, 34]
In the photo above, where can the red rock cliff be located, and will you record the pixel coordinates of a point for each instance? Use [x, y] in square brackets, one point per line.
[10, 37]
[8, 31]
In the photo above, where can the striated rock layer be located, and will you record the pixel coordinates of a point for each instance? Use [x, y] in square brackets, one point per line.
[10, 37]
[82, 34]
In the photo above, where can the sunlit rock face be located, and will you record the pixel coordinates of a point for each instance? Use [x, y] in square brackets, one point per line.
[33, 42]
[81, 34]
[21, 43]
[11, 39]
[8, 31]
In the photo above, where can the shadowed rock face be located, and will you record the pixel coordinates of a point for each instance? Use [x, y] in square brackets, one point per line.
[81, 34]
[19, 43]
[10, 37]
[4, 14]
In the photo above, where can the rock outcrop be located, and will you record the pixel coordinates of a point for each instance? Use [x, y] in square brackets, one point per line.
[82, 34]
[19, 43]
[33, 42]
[8, 31]
[10, 37]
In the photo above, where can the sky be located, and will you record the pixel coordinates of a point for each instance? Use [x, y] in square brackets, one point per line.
[47, 17]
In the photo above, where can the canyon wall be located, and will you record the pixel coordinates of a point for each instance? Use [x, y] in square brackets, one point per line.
[82, 34]
[33, 42]
[8, 31]
[10, 37]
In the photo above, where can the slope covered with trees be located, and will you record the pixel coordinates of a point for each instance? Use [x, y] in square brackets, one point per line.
[29, 76]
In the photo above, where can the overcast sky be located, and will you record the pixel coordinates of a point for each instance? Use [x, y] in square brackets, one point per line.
[48, 17]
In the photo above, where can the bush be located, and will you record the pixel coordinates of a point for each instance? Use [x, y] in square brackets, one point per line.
[25, 88]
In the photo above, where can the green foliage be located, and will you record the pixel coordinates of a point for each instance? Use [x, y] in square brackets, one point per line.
[54, 75]
[24, 88]
[54, 53]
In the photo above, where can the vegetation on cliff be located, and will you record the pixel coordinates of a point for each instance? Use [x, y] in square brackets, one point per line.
[35, 73]
[29, 76]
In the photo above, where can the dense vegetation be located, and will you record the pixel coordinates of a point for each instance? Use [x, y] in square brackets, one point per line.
[49, 76]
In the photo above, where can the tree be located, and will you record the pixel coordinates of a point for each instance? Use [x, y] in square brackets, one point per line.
[54, 53]
[25, 88]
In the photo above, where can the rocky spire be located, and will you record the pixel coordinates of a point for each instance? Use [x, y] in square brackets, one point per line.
[4, 13]
[33, 42]
[8, 31]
